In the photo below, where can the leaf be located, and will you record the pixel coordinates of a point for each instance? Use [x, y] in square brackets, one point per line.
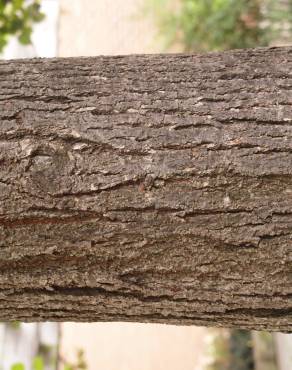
[3, 42]
[17, 17]
[38, 17]
[33, 11]
[17, 4]
[38, 363]
[18, 366]
[68, 367]
[15, 325]
[25, 35]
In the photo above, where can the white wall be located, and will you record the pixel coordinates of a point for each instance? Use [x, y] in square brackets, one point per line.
[95, 27]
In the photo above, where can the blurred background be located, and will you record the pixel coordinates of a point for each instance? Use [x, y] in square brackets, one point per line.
[65, 28]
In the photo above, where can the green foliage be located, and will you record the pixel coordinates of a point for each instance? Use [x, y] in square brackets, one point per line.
[232, 349]
[17, 18]
[219, 351]
[80, 363]
[15, 325]
[265, 350]
[202, 25]
[39, 363]
[17, 366]
[240, 347]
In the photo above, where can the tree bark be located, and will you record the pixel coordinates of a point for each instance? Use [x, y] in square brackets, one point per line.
[148, 188]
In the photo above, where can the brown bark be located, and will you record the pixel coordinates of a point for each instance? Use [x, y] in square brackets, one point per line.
[148, 188]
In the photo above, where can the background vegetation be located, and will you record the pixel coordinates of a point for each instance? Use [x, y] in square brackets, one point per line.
[203, 25]
[232, 350]
[17, 18]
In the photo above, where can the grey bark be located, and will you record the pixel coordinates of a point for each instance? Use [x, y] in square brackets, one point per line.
[148, 188]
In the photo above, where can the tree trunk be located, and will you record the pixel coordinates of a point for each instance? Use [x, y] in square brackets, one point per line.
[148, 188]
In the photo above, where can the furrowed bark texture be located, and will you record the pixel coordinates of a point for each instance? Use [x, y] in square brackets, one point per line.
[148, 188]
